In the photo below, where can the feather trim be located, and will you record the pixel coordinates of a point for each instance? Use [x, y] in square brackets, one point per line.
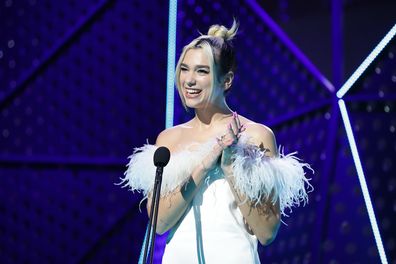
[140, 173]
[257, 176]
[260, 177]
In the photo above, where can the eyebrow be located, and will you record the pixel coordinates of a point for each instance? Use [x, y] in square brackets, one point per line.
[196, 66]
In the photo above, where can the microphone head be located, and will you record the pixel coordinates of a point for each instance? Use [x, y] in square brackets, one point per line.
[161, 157]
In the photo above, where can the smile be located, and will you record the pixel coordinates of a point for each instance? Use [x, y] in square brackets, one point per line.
[191, 91]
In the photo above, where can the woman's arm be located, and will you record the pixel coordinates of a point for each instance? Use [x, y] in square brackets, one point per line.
[172, 206]
[262, 218]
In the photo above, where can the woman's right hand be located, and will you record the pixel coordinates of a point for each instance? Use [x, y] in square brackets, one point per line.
[224, 143]
[228, 140]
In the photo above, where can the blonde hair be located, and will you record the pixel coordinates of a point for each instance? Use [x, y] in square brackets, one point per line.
[217, 45]
[223, 32]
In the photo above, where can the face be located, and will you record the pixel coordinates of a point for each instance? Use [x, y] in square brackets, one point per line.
[196, 78]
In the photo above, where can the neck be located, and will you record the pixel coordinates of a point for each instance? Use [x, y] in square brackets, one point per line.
[211, 114]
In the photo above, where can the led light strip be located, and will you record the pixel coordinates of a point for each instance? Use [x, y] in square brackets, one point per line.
[170, 80]
[341, 92]
[348, 84]
[362, 181]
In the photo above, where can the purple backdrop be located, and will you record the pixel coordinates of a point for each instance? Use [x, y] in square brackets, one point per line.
[83, 83]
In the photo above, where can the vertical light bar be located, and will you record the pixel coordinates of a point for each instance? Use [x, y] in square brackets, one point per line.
[348, 84]
[362, 181]
[170, 79]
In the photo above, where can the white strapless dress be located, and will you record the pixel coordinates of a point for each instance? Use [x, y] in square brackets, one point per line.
[212, 230]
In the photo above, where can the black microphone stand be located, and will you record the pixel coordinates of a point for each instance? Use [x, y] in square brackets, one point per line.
[153, 215]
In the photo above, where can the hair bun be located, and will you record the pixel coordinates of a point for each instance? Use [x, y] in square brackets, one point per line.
[223, 32]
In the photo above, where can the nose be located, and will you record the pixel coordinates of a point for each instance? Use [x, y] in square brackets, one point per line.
[190, 83]
[190, 80]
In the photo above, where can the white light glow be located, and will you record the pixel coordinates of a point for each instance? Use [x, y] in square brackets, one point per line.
[359, 71]
[170, 79]
[362, 181]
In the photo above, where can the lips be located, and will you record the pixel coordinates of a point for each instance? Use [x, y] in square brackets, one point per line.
[191, 92]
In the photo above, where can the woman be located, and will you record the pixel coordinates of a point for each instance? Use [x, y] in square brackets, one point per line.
[225, 186]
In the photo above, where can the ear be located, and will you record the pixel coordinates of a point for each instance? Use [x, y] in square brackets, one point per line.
[228, 78]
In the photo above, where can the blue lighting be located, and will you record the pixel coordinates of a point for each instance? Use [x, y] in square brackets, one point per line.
[341, 92]
[170, 80]
[362, 180]
[348, 84]
[277, 30]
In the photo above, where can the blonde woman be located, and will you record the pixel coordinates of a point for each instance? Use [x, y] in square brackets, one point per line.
[226, 186]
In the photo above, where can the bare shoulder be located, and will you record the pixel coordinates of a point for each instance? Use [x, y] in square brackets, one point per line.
[259, 131]
[170, 137]
[261, 135]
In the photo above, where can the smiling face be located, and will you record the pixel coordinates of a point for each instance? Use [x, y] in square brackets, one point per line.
[196, 78]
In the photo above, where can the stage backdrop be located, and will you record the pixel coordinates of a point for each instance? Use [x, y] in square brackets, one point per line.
[83, 83]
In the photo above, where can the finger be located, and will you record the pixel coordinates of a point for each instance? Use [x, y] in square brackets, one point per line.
[237, 121]
[236, 124]
[232, 130]
[234, 136]
[242, 128]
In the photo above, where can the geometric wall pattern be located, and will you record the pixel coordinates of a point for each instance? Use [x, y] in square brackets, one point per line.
[273, 87]
[78, 80]
[83, 83]
[371, 107]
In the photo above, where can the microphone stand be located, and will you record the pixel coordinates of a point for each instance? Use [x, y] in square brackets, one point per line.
[153, 215]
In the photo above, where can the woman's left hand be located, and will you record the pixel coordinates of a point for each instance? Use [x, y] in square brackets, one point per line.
[228, 140]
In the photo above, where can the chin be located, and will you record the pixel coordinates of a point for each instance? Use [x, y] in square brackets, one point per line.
[192, 103]
[196, 103]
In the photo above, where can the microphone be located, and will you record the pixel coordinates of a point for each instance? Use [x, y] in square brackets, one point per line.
[161, 157]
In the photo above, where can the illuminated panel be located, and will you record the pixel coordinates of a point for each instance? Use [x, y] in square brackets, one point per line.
[348, 84]
[171, 63]
[362, 180]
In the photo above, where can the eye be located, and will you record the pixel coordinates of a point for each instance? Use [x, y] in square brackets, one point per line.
[182, 68]
[203, 71]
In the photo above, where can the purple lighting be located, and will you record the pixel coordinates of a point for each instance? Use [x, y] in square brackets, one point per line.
[292, 47]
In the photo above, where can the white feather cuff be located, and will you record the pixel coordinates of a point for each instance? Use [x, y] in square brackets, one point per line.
[280, 178]
[140, 174]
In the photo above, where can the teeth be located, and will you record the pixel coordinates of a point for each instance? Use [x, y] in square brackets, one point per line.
[193, 91]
